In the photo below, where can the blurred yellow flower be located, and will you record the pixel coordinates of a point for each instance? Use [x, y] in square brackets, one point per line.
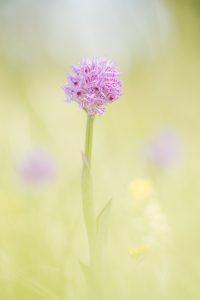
[137, 251]
[141, 189]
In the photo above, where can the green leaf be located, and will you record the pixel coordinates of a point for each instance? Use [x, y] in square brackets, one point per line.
[85, 160]
[102, 223]
[86, 270]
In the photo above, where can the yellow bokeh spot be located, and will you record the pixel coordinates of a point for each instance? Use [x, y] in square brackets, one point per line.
[137, 251]
[141, 189]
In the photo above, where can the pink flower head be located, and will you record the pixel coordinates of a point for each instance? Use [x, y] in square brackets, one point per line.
[164, 149]
[93, 84]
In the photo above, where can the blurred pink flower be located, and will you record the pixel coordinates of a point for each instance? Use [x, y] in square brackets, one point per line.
[164, 149]
[36, 167]
[93, 84]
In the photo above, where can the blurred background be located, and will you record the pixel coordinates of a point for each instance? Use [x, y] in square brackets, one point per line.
[145, 154]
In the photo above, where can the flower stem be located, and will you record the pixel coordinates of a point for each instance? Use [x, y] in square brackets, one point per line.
[94, 282]
[88, 139]
[88, 207]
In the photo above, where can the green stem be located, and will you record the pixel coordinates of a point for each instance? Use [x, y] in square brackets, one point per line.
[88, 139]
[88, 207]
[95, 290]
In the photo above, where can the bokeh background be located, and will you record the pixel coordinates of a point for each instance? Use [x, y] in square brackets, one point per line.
[145, 155]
